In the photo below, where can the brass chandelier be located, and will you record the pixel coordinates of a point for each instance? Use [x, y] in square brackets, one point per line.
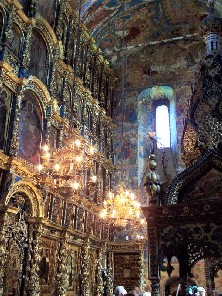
[122, 207]
[69, 166]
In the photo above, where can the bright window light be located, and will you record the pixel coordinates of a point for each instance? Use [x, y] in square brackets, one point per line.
[162, 126]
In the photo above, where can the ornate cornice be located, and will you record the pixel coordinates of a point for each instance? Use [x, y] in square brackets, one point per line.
[211, 159]
[126, 247]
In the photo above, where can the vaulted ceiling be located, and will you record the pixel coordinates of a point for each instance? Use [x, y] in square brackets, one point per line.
[133, 32]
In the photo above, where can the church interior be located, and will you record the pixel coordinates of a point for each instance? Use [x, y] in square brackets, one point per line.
[110, 147]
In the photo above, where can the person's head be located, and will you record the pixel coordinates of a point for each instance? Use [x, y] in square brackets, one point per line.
[136, 289]
[120, 291]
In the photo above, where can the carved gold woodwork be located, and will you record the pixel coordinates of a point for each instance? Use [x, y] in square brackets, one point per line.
[85, 257]
[110, 274]
[190, 151]
[35, 258]
[62, 274]
[32, 192]
[57, 241]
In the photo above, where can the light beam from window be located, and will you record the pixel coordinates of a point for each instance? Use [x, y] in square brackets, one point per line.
[162, 126]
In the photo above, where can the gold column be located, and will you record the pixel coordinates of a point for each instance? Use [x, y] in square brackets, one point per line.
[99, 267]
[15, 141]
[61, 279]
[142, 278]
[26, 52]
[85, 257]
[53, 83]
[33, 283]
[110, 274]
[4, 221]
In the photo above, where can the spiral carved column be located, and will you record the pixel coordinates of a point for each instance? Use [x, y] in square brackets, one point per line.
[85, 268]
[110, 275]
[4, 221]
[35, 257]
[100, 286]
[15, 141]
[62, 279]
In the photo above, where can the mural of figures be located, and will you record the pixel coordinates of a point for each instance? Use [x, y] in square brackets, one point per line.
[39, 64]
[30, 128]
[132, 116]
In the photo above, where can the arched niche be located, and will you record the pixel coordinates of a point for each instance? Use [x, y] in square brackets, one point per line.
[31, 195]
[39, 65]
[30, 127]
[26, 202]
[148, 100]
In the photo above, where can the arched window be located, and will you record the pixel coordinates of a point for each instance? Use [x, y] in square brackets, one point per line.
[162, 126]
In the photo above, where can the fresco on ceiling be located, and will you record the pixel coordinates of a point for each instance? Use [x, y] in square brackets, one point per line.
[128, 26]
